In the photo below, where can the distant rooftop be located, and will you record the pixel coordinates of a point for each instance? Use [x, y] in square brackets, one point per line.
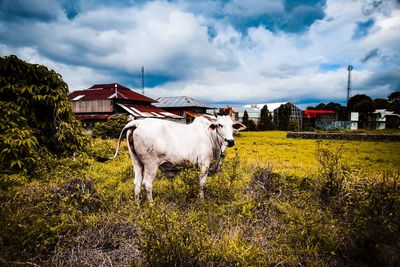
[271, 106]
[248, 110]
[179, 102]
[108, 91]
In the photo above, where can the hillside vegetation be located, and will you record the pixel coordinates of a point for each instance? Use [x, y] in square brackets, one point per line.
[276, 202]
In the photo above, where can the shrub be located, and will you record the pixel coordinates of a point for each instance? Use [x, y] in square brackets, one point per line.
[110, 128]
[332, 168]
[370, 207]
[35, 114]
[196, 236]
[293, 126]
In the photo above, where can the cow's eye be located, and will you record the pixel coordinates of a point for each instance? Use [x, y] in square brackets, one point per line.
[220, 125]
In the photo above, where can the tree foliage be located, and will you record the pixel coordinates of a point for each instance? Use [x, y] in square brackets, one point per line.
[251, 125]
[361, 103]
[265, 122]
[35, 115]
[394, 96]
[282, 117]
[381, 103]
[245, 119]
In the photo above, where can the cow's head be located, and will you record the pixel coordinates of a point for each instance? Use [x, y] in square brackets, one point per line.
[224, 127]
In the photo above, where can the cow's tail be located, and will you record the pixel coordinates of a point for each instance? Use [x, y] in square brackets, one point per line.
[130, 126]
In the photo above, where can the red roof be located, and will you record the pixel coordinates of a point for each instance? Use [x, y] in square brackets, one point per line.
[108, 91]
[312, 113]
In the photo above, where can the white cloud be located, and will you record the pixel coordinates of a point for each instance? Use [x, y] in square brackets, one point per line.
[256, 66]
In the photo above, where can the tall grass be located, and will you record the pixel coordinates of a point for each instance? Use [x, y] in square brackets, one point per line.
[257, 211]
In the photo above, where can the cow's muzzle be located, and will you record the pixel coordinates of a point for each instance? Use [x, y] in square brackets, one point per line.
[230, 142]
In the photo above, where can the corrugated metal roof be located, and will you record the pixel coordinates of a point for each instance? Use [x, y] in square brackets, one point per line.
[179, 102]
[148, 112]
[108, 91]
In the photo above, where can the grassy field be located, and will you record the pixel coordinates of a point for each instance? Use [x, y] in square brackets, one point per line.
[297, 156]
[277, 201]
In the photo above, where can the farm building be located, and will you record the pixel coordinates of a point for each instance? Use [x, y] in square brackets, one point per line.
[275, 110]
[295, 116]
[313, 118]
[102, 101]
[253, 113]
[183, 106]
[271, 106]
[382, 119]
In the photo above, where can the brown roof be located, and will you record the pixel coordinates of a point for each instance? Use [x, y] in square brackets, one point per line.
[108, 91]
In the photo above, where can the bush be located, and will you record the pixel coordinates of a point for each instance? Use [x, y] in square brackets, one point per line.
[110, 128]
[368, 207]
[36, 116]
[293, 126]
[371, 210]
[333, 170]
[197, 236]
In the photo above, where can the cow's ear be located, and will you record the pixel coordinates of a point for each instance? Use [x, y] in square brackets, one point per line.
[238, 126]
[213, 126]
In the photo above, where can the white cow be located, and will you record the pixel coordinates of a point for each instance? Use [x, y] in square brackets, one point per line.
[154, 143]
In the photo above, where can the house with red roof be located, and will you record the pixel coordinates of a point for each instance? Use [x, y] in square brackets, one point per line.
[312, 118]
[102, 101]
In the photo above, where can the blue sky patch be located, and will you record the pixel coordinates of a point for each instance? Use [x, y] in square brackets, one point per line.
[329, 67]
[362, 29]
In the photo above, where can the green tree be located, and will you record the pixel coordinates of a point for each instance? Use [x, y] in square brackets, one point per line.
[381, 103]
[338, 109]
[251, 126]
[265, 122]
[361, 103]
[245, 119]
[35, 115]
[321, 106]
[282, 117]
[394, 100]
[394, 96]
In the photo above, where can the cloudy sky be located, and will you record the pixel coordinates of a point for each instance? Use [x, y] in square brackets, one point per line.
[232, 51]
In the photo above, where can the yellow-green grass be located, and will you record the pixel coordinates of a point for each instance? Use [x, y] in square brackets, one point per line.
[297, 156]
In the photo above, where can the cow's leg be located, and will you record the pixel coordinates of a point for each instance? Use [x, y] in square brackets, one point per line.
[203, 178]
[137, 165]
[149, 174]
[138, 180]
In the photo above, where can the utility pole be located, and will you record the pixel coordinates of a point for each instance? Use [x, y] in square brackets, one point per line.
[349, 69]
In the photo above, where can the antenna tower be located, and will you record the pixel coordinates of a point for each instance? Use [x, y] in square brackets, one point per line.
[349, 69]
[142, 80]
